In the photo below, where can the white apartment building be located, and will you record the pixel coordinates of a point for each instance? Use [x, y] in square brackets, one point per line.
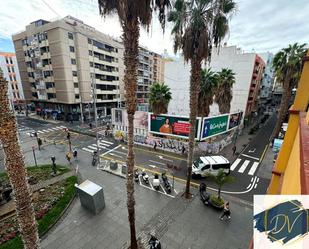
[9, 68]
[268, 79]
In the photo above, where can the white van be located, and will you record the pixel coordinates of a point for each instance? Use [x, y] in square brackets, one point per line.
[210, 165]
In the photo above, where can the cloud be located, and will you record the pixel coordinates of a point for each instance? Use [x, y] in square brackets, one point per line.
[256, 25]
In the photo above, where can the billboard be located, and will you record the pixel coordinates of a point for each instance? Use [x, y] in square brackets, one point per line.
[214, 125]
[235, 119]
[172, 126]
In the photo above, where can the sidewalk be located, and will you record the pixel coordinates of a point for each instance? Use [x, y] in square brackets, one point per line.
[178, 223]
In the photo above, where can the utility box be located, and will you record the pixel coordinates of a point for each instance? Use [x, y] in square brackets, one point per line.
[91, 196]
[124, 169]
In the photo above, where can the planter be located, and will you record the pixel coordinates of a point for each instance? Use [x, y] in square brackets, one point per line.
[215, 203]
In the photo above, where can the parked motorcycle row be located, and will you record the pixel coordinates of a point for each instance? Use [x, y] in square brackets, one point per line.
[156, 182]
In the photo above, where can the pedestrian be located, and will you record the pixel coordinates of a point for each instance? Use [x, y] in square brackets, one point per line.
[90, 125]
[226, 211]
[39, 140]
[234, 150]
[75, 154]
[68, 156]
[155, 145]
[183, 150]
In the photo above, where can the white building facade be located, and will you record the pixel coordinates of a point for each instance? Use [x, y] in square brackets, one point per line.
[8, 65]
[268, 79]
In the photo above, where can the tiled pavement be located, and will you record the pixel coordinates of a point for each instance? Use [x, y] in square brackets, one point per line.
[178, 225]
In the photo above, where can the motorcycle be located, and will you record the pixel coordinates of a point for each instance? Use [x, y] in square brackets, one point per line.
[136, 175]
[166, 183]
[145, 177]
[203, 194]
[154, 243]
[156, 182]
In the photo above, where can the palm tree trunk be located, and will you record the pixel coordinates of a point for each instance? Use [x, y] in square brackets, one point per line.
[130, 39]
[17, 173]
[194, 92]
[284, 106]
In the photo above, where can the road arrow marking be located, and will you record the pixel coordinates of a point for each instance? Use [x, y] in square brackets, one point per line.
[251, 151]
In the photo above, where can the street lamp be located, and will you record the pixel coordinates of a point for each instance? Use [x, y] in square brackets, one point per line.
[33, 148]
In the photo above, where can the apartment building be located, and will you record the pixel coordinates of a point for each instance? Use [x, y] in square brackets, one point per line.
[66, 64]
[9, 68]
[150, 70]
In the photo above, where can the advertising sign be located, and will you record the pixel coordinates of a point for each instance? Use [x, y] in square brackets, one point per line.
[214, 126]
[172, 126]
[235, 119]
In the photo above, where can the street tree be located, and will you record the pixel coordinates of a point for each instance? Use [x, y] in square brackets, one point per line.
[220, 179]
[160, 96]
[224, 93]
[208, 86]
[197, 26]
[132, 14]
[287, 64]
[16, 170]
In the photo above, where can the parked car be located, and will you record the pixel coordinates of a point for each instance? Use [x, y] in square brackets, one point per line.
[210, 165]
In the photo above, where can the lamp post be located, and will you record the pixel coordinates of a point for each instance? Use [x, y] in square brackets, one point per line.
[33, 148]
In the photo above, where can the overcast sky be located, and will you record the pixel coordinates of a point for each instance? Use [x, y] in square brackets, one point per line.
[258, 25]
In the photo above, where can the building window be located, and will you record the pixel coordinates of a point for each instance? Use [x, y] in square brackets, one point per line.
[72, 49]
[91, 64]
[74, 73]
[16, 87]
[90, 52]
[75, 85]
[11, 60]
[50, 85]
[10, 78]
[89, 41]
[48, 73]
[13, 70]
[14, 78]
[12, 86]
[76, 96]
[70, 35]
[24, 42]
[9, 70]
[7, 60]
[14, 95]
[73, 61]
[18, 96]
[51, 95]
[35, 95]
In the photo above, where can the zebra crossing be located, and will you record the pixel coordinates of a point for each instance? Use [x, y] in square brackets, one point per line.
[30, 132]
[103, 144]
[244, 166]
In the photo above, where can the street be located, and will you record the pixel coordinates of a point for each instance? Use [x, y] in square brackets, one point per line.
[245, 168]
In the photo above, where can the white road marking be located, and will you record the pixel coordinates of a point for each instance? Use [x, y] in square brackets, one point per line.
[257, 179]
[111, 150]
[234, 165]
[29, 134]
[249, 186]
[108, 142]
[49, 130]
[253, 168]
[61, 126]
[157, 162]
[88, 150]
[45, 130]
[252, 179]
[251, 151]
[100, 146]
[124, 148]
[255, 185]
[40, 132]
[92, 147]
[115, 155]
[162, 158]
[152, 166]
[244, 166]
[104, 144]
[252, 157]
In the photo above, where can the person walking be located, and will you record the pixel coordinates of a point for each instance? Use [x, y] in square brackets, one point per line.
[226, 211]
[68, 156]
[39, 140]
[75, 154]
[234, 150]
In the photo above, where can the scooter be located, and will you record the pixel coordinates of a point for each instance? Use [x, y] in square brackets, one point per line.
[203, 194]
[136, 175]
[154, 243]
[156, 182]
[145, 177]
[166, 183]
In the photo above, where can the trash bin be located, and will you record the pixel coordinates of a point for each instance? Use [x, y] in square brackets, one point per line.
[113, 165]
[91, 196]
[124, 169]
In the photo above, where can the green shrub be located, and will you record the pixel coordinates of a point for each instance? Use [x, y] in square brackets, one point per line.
[217, 201]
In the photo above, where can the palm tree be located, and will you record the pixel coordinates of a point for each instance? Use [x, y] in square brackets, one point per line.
[208, 86]
[224, 94]
[160, 96]
[197, 26]
[220, 179]
[132, 14]
[16, 170]
[287, 65]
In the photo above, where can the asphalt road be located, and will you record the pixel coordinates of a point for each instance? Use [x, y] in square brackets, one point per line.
[244, 168]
